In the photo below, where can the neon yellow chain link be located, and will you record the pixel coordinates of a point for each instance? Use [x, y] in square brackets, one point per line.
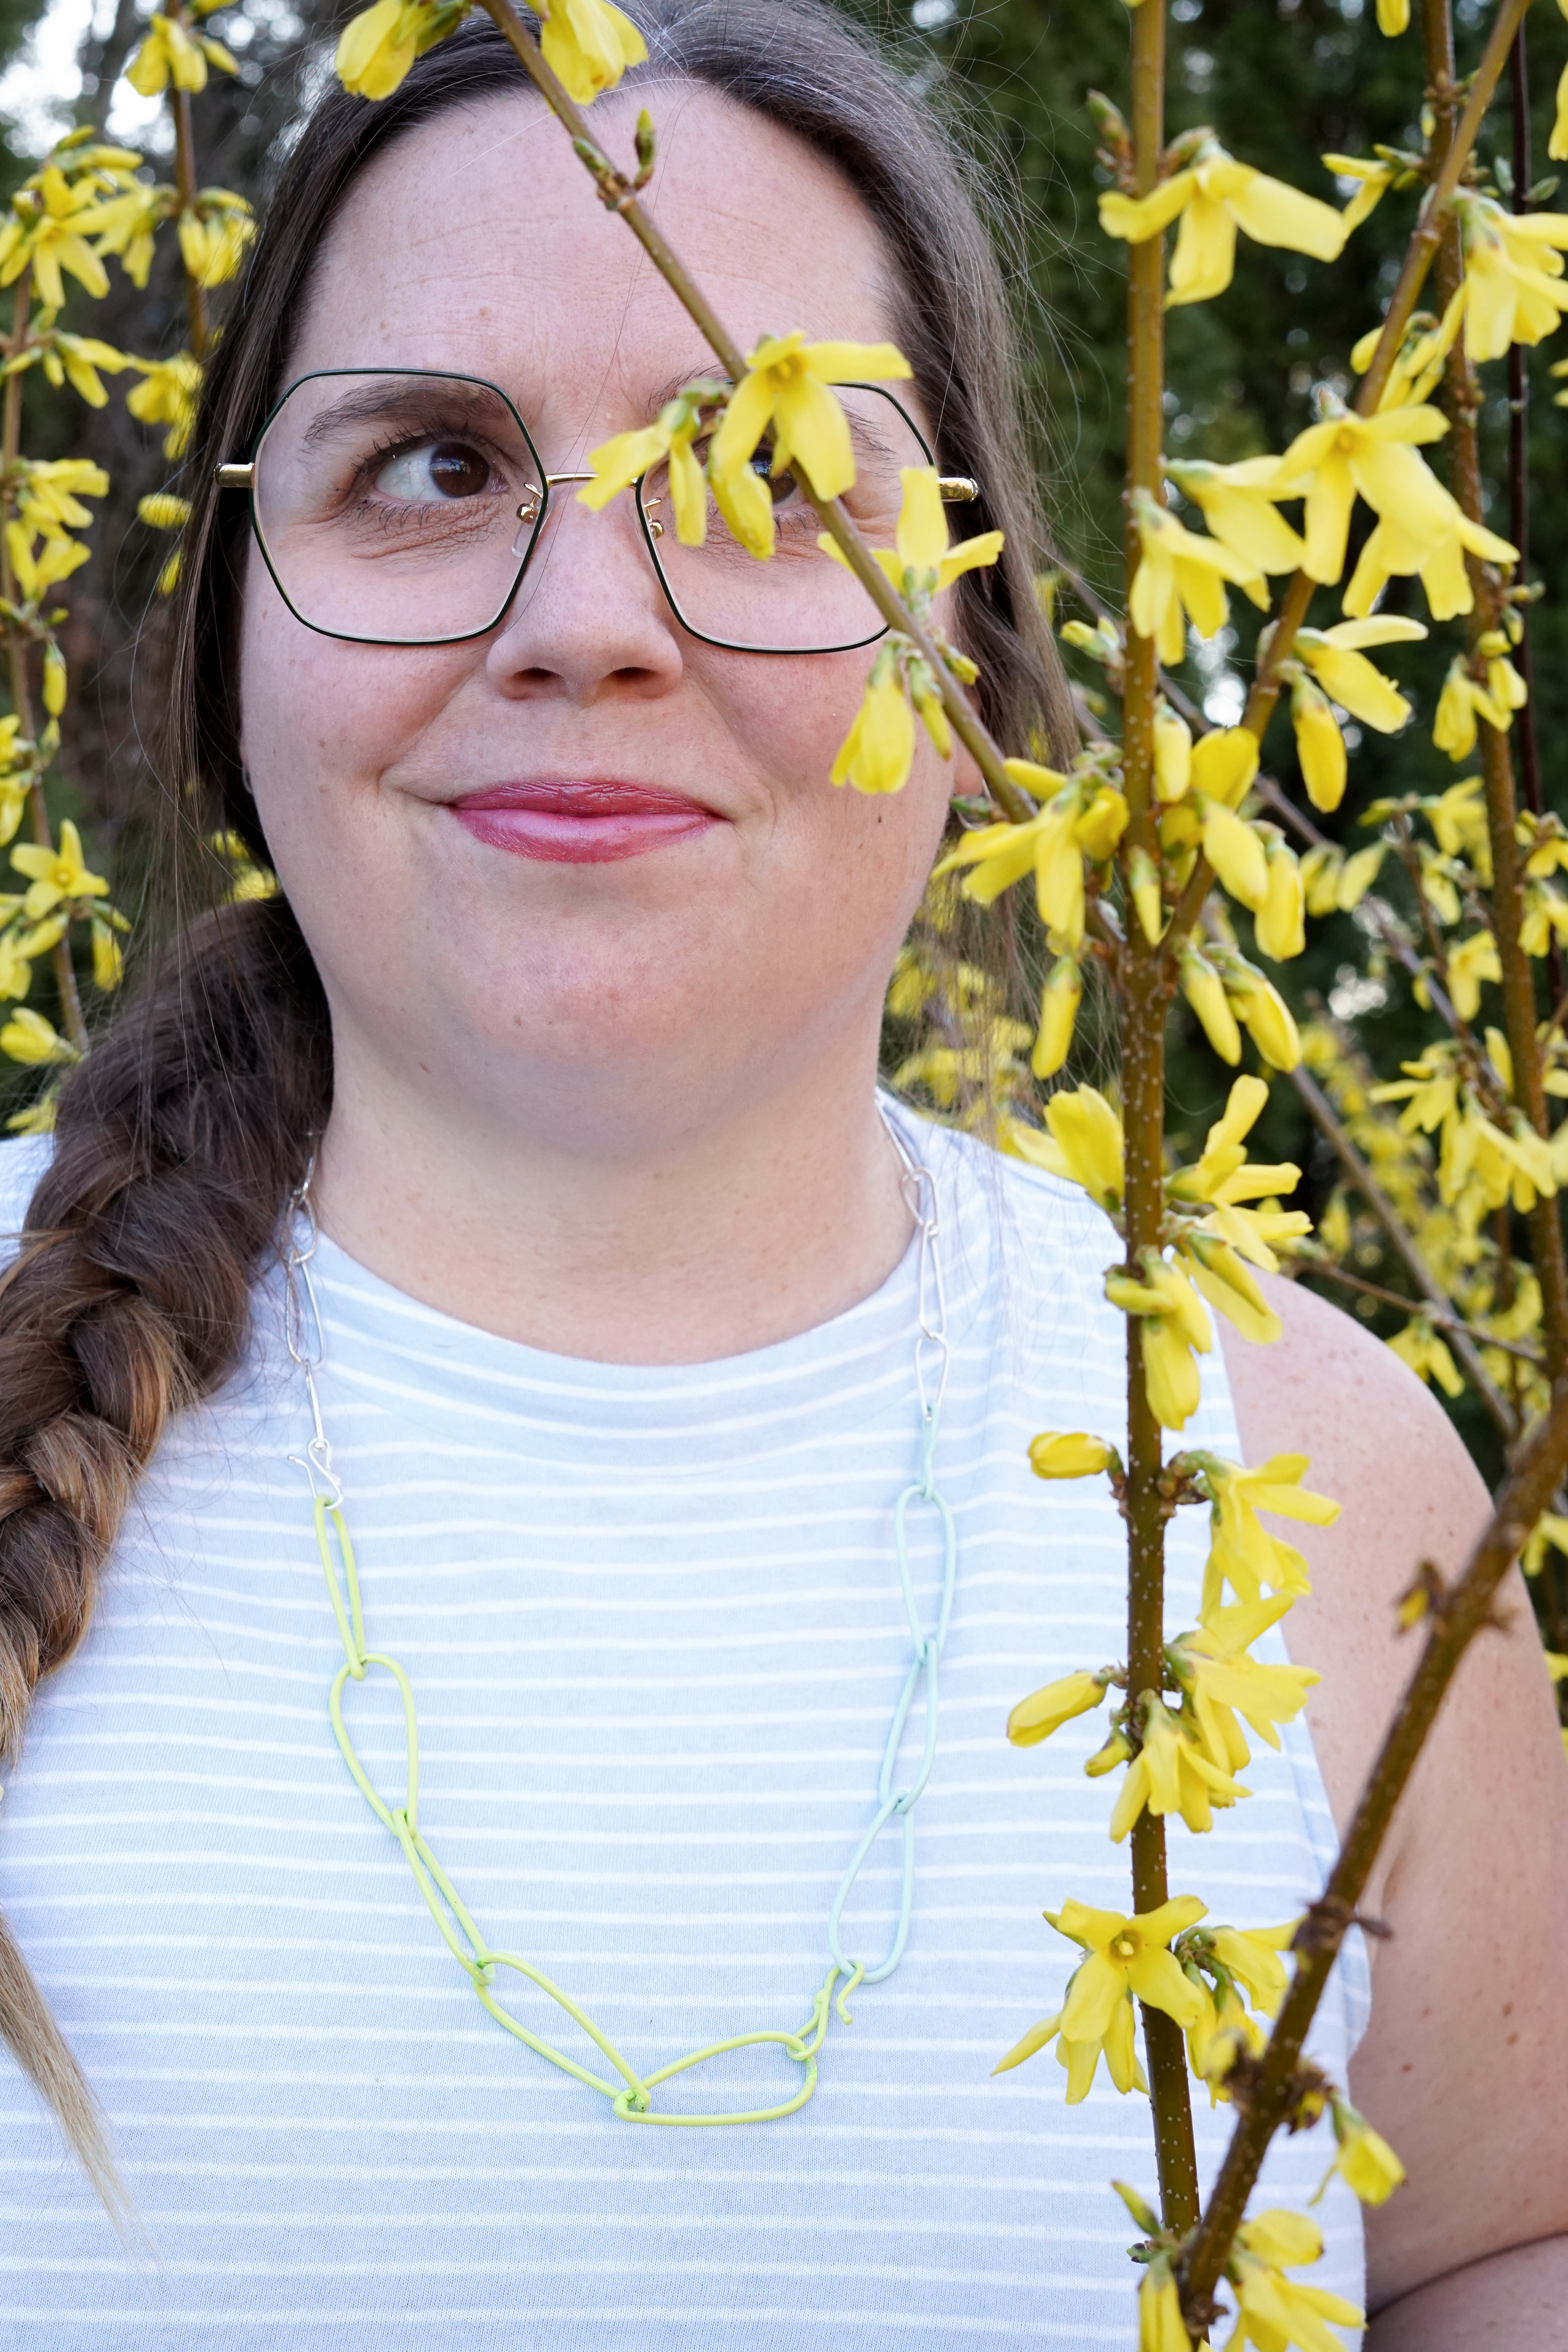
[463, 1940]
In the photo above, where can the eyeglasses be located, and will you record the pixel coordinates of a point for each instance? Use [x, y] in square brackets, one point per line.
[402, 506]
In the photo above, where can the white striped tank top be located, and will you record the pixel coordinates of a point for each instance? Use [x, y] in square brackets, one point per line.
[652, 1621]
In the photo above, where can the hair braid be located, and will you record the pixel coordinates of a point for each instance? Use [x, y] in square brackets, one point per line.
[178, 1141]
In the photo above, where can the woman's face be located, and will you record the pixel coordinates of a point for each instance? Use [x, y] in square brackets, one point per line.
[524, 961]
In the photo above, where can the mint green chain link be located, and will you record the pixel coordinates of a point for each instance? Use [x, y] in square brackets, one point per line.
[463, 1938]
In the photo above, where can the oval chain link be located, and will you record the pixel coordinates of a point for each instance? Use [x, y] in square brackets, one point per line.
[630, 2096]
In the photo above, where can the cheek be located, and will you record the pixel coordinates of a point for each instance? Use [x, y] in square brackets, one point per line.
[321, 720]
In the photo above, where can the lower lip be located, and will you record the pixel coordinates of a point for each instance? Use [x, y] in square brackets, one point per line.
[559, 836]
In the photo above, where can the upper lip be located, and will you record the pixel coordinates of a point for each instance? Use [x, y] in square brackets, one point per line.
[586, 797]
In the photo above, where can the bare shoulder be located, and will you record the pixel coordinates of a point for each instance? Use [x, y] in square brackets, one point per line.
[1474, 1882]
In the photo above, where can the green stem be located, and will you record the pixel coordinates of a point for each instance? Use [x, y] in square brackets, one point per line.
[618, 195]
[1460, 1613]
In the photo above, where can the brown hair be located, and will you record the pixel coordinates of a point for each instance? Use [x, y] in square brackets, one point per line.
[181, 1136]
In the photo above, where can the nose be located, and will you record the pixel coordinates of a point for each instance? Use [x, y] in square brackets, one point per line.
[588, 621]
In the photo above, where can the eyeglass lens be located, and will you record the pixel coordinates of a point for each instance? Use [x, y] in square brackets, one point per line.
[400, 507]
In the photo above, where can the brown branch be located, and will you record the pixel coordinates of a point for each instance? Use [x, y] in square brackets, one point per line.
[1328, 1121]
[619, 194]
[1146, 988]
[1422, 1308]
[1457, 1614]
[1461, 399]
[186, 181]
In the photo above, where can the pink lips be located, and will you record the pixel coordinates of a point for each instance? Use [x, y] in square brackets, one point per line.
[580, 823]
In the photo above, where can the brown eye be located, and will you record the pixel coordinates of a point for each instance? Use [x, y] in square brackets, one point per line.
[781, 486]
[435, 470]
[458, 472]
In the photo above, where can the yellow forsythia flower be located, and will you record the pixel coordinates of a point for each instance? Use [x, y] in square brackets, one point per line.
[1336, 659]
[1178, 570]
[1242, 1552]
[1044, 1711]
[1464, 699]
[1375, 175]
[52, 237]
[1236, 851]
[923, 558]
[162, 510]
[786, 387]
[1059, 1002]
[1238, 503]
[1082, 817]
[1214, 197]
[1280, 926]
[1205, 991]
[376, 49]
[1259, 1003]
[57, 874]
[1376, 457]
[878, 752]
[1161, 2327]
[1173, 1332]
[1070, 1453]
[1117, 2045]
[1170, 1775]
[168, 396]
[1428, 1355]
[1319, 746]
[1364, 2160]
[108, 963]
[1125, 1956]
[1513, 286]
[1224, 763]
[1086, 1145]
[28, 1037]
[54, 680]
[1228, 1682]
[169, 54]
[1273, 2312]
[1173, 753]
[588, 44]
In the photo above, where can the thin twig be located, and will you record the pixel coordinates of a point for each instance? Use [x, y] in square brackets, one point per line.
[1327, 1120]
[618, 195]
[1428, 1313]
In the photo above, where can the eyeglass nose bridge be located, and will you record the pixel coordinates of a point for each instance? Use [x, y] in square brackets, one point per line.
[528, 513]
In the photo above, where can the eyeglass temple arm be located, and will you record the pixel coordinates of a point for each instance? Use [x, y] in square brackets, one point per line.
[956, 488]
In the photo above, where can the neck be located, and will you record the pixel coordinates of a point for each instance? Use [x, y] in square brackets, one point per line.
[759, 1220]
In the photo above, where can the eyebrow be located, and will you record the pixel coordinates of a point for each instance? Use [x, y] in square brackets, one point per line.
[392, 398]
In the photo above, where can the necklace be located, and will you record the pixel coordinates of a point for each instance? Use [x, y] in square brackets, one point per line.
[631, 2095]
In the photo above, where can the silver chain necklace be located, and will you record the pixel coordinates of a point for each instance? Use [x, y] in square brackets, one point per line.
[631, 2095]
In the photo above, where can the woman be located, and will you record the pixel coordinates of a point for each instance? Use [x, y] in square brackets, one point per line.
[568, 1011]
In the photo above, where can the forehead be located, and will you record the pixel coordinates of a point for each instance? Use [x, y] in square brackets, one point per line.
[478, 244]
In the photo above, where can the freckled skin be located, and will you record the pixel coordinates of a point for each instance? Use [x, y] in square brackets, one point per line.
[1459, 2063]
